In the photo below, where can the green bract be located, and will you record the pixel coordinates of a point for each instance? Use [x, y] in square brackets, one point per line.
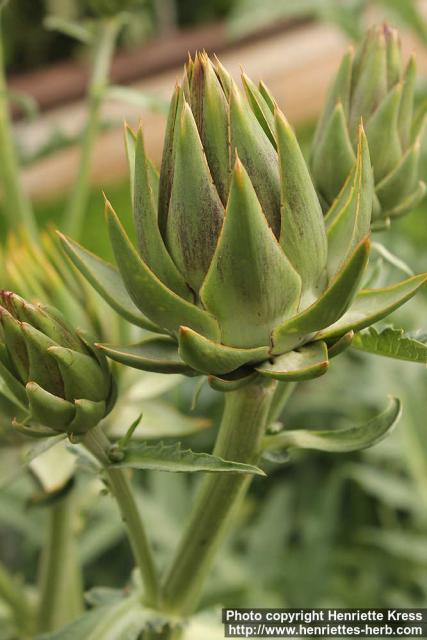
[371, 85]
[52, 371]
[235, 262]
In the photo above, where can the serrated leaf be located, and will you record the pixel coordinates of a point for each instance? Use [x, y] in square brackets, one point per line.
[123, 619]
[340, 440]
[391, 343]
[170, 457]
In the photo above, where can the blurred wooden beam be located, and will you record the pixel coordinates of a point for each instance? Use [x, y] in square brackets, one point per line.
[296, 65]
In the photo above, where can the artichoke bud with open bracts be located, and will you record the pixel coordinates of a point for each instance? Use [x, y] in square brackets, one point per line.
[52, 371]
[372, 85]
[235, 263]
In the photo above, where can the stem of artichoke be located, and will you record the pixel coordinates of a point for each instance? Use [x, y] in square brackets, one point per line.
[102, 56]
[61, 593]
[16, 205]
[98, 444]
[243, 424]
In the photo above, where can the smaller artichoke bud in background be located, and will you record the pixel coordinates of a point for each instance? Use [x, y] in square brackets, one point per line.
[52, 371]
[372, 85]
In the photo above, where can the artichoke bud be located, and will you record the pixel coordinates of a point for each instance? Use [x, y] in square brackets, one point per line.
[51, 370]
[371, 85]
[236, 262]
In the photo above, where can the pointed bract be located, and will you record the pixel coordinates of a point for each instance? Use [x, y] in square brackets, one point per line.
[195, 210]
[250, 277]
[302, 233]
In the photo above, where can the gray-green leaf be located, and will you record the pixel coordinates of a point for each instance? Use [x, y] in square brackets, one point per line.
[392, 343]
[170, 457]
[340, 440]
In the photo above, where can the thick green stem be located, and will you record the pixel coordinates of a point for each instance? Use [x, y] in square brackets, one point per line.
[242, 427]
[102, 56]
[16, 205]
[98, 444]
[16, 599]
[61, 593]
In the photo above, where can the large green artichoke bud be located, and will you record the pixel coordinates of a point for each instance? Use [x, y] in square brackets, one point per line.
[52, 371]
[235, 262]
[371, 85]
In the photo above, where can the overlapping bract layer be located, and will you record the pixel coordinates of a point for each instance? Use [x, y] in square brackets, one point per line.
[53, 372]
[371, 84]
[235, 261]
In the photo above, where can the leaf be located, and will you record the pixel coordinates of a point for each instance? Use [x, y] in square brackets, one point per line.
[69, 28]
[54, 468]
[310, 361]
[391, 343]
[391, 259]
[170, 457]
[389, 488]
[340, 440]
[106, 279]
[158, 354]
[371, 305]
[124, 619]
[137, 98]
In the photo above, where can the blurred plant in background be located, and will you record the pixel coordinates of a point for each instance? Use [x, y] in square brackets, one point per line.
[347, 15]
